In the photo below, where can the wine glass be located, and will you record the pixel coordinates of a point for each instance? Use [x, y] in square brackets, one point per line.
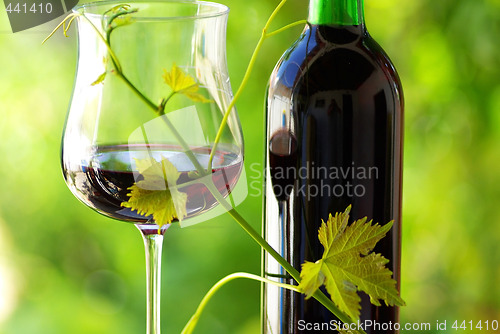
[142, 141]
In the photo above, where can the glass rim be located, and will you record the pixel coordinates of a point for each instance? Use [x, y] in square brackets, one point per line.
[221, 9]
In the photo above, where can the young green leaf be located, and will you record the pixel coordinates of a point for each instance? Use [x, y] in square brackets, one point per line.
[99, 79]
[183, 83]
[156, 194]
[348, 266]
[119, 16]
[117, 9]
[123, 20]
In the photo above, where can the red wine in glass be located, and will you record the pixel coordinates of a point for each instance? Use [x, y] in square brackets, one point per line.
[103, 182]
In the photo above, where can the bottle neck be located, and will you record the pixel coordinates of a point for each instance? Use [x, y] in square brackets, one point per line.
[336, 12]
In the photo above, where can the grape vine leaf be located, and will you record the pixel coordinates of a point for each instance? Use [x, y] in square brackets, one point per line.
[119, 16]
[100, 79]
[117, 9]
[183, 83]
[156, 194]
[348, 265]
[122, 20]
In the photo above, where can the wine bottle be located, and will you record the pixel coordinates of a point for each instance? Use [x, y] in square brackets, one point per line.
[334, 139]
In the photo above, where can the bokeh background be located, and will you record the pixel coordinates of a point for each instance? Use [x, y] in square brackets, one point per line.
[65, 269]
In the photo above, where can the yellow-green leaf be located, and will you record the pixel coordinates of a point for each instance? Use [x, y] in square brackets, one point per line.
[347, 266]
[183, 83]
[311, 278]
[157, 194]
[120, 15]
[99, 79]
[122, 20]
[117, 9]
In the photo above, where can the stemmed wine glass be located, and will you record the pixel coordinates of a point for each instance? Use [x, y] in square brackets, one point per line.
[142, 141]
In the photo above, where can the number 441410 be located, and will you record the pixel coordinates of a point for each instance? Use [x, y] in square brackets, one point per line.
[23, 8]
[472, 325]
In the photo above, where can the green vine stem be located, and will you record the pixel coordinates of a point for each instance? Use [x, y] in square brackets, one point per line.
[322, 298]
[319, 296]
[188, 329]
[157, 109]
[249, 70]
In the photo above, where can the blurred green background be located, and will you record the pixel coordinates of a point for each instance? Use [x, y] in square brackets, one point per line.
[65, 269]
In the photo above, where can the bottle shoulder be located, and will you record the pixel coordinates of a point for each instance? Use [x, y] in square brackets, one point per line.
[334, 58]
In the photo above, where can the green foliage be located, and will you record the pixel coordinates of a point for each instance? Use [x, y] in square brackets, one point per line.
[183, 83]
[347, 265]
[157, 194]
[119, 16]
[100, 79]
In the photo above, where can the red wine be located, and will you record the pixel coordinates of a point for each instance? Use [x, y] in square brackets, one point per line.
[343, 116]
[102, 183]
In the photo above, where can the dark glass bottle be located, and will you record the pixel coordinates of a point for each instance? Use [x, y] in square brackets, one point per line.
[334, 138]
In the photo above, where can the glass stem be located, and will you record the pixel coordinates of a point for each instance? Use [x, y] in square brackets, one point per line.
[153, 245]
